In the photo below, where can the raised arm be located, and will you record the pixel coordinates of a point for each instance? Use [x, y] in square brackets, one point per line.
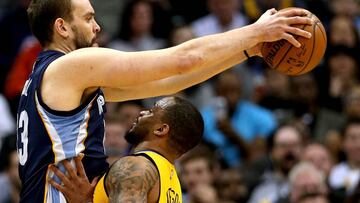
[100, 67]
[130, 179]
[173, 84]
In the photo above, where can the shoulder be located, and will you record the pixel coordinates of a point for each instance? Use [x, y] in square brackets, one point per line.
[132, 164]
[131, 179]
[132, 169]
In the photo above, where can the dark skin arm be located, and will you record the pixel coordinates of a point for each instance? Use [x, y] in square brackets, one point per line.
[76, 179]
[130, 180]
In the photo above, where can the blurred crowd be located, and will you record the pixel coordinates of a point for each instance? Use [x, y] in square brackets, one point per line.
[269, 138]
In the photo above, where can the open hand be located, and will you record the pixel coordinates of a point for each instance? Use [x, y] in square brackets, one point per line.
[274, 26]
[75, 187]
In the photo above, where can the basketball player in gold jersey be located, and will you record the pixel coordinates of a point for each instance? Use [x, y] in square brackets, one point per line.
[160, 136]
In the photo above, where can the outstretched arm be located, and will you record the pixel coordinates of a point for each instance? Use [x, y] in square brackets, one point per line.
[206, 56]
[275, 25]
[130, 179]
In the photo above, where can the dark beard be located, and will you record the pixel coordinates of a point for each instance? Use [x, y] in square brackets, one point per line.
[80, 41]
[136, 135]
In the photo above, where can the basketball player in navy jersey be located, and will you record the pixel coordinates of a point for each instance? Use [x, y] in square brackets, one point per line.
[62, 108]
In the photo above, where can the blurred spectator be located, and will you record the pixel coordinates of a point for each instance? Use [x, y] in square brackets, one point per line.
[308, 184]
[198, 169]
[136, 28]
[254, 8]
[223, 16]
[347, 8]
[188, 10]
[13, 30]
[346, 175]
[352, 102]
[308, 112]
[338, 77]
[163, 18]
[285, 153]
[7, 123]
[115, 144]
[333, 143]
[180, 34]
[231, 123]
[319, 156]
[129, 111]
[343, 32]
[276, 96]
[322, 10]
[231, 186]
[20, 71]
[9, 176]
[108, 14]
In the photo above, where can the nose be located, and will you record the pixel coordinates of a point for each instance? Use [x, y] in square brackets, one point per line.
[97, 27]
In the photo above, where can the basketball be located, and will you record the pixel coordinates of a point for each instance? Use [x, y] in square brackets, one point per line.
[283, 57]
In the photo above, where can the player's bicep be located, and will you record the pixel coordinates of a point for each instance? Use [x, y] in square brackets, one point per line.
[130, 179]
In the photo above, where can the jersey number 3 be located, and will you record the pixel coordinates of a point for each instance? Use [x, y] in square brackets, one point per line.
[23, 150]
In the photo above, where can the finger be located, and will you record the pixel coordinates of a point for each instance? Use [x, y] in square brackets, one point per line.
[94, 181]
[57, 186]
[272, 11]
[298, 31]
[79, 166]
[294, 12]
[299, 20]
[292, 40]
[71, 171]
[59, 174]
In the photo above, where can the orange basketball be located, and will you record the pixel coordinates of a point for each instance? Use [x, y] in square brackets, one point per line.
[283, 57]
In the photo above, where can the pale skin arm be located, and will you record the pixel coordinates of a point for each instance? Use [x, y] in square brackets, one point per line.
[69, 77]
[130, 180]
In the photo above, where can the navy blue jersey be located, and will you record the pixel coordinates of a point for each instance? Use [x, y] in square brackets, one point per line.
[46, 136]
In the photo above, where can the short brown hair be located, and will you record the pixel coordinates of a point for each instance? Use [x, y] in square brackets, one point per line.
[42, 15]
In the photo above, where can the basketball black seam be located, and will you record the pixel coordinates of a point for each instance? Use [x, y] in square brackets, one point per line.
[291, 46]
[312, 51]
[322, 33]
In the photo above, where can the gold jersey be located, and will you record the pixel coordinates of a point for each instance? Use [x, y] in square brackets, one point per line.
[170, 189]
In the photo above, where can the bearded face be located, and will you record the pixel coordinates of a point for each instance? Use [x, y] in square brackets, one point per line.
[137, 133]
[142, 126]
[81, 41]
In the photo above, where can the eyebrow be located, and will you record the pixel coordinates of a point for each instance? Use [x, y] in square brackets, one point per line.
[91, 13]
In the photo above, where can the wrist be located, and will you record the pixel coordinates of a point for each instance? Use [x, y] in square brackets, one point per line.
[256, 34]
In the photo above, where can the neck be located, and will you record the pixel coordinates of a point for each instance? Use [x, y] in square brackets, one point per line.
[149, 146]
[59, 47]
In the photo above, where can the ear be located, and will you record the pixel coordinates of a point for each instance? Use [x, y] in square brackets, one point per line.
[161, 130]
[61, 27]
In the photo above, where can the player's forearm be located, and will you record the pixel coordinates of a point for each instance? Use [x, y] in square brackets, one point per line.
[214, 50]
[168, 85]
